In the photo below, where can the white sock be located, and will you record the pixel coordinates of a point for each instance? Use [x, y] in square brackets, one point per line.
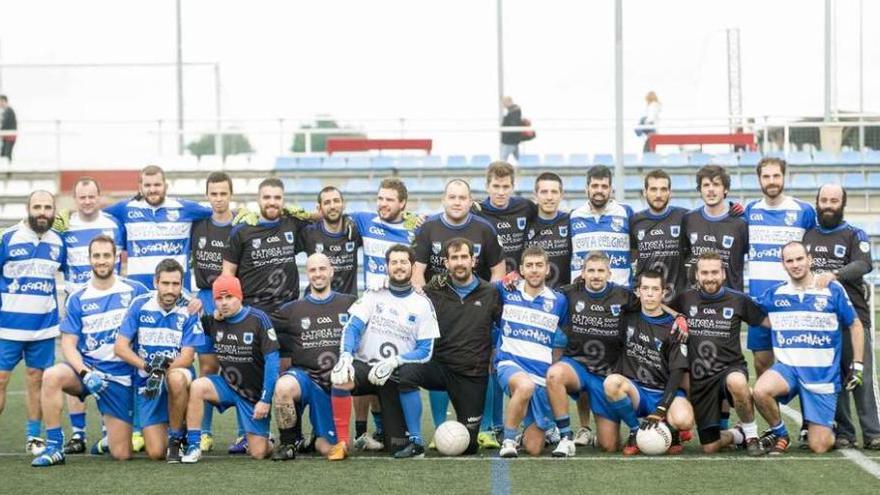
[750, 429]
[737, 436]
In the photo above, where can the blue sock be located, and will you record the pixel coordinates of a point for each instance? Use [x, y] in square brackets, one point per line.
[54, 438]
[34, 427]
[724, 423]
[78, 423]
[208, 417]
[439, 405]
[564, 425]
[379, 424]
[624, 410]
[510, 433]
[241, 431]
[486, 423]
[498, 405]
[172, 434]
[411, 403]
[193, 437]
[780, 429]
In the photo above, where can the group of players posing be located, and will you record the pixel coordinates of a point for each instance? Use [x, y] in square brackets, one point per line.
[617, 352]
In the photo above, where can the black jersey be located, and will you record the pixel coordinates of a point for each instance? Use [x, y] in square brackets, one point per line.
[728, 236]
[650, 351]
[595, 323]
[552, 236]
[241, 344]
[309, 331]
[657, 242]
[266, 257]
[511, 224]
[209, 241]
[341, 248]
[715, 322]
[431, 239]
[832, 249]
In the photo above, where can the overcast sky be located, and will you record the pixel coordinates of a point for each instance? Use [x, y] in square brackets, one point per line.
[416, 59]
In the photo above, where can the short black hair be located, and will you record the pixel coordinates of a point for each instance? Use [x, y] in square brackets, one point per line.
[711, 172]
[658, 174]
[217, 177]
[327, 189]
[401, 248]
[169, 265]
[102, 238]
[456, 243]
[653, 274]
[599, 172]
[271, 182]
[548, 176]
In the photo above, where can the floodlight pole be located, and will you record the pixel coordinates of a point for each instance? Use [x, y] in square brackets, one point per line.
[499, 26]
[618, 100]
[179, 81]
[828, 81]
[218, 138]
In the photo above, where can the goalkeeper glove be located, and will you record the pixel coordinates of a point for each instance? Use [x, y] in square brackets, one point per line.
[298, 213]
[854, 378]
[244, 215]
[680, 328]
[654, 418]
[157, 365]
[381, 371]
[438, 281]
[343, 371]
[95, 382]
[510, 280]
[154, 385]
[62, 220]
[736, 209]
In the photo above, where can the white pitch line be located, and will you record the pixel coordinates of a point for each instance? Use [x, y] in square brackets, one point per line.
[853, 455]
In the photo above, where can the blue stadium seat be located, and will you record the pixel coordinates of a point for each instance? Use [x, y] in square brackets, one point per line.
[302, 186]
[851, 158]
[529, 161]
[407, 162]
[749, 159]
[360, 206]
[682, 182]
[803, 181]
[432, 161]
[677, 160]
[430, 185]
[873, 228]
[750, 183]
[825, 158]
[652, 159]
[481, 161]
[578, 160]
[358, 162]
[874, 180]
[827, 179]
[735, 182]
[456, 161]
[700, 159]
[725, 159]
[603, 159]
[554, 160]
[872, 157]
[478, 184]
[854, 180]
[335, 162]
[632, 183]
[382, 162]
[285, 163]
[357, 186]
[683, 202]
[800, 158]
[310, 162]
[525, 184]
[575, 183]
[631, 160]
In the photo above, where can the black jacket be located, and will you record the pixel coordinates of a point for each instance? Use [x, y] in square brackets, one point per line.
[513, 118]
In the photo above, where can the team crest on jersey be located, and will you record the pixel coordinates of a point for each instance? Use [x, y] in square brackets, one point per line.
[694, 236]
[173, 215]
[248, 338]
[125, 299]
[839, 250]
[864, 246]
[343, 318]
[203, 241]
[349, 247]
[91, 343]
[563, 230]
[820, 304]
[548, 305]
[790, 218]
[54, 252]
[579, 306]
[658, 344]
[617, 224]
[674, 230]
[288, 236]
[641, 235]
[531, 234]
[630, 331]
[411, 318]
[435, 247]
[521, 223]
[615, 309]
[692, 311]
[727, 313]
[256, 243]
[727, 241]
[319, 247]
[181, 319]
[305, 323]
[219, 336]
[477, 249]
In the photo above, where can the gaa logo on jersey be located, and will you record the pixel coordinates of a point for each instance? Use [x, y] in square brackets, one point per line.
[692, 311]
[349, 246]
[674, 230]
[641, 235]
[839, 250]
[256, 243]
[727, 313]
[563, 230]
[305, 323]
[727, 241]
[435, 247]
[615, 309]
[694, 237]
[248, 338]
[821, 303]
[790, 218]
[288, 236]
[521, 223]
[617, 224]
[548, 305]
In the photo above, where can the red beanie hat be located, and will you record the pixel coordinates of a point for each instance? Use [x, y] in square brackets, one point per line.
[225, 284]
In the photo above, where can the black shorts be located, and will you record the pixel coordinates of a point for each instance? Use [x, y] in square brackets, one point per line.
[706, 396]
[389, 399]
[467, 393]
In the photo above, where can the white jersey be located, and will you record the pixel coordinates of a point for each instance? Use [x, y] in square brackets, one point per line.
[77, 238]
[394, 323]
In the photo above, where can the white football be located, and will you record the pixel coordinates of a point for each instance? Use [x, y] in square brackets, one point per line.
[654, 441]
[451, 438]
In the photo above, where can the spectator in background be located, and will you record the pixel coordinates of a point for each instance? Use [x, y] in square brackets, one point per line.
[510, 140]
[7, 123]
[648, 121]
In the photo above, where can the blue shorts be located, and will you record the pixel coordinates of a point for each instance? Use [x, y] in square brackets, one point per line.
[648, 400]
[37, 354]
[593, 384]
[244, 409]
[759, 339]
[155, 411]
[539, 411]
[116, 400]
[208, 306]
[819, 408]
[318, 400]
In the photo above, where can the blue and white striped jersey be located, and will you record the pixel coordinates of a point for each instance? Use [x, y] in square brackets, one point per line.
[770, 228]
[77, 238]
[155, 233]
[154, 331]
[530, 329]
[807, 329]
[95, 315]
[28, 308]
[378, 235]
[608, 232]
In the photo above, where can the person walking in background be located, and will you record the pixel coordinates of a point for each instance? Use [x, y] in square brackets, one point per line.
[648, 121]
[7, 123]
[510, 140]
